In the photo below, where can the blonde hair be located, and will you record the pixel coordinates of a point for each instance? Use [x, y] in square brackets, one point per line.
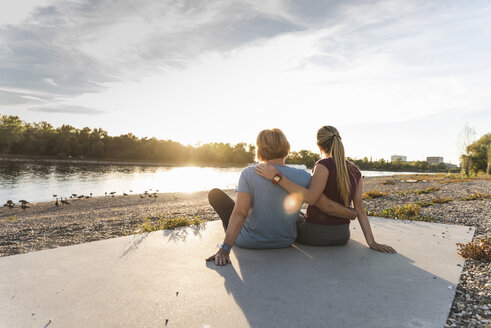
[271, 144]
[330, 142]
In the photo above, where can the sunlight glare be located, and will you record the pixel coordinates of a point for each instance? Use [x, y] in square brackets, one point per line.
[292, 203]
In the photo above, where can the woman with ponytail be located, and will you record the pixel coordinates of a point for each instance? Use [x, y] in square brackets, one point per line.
[333, 178]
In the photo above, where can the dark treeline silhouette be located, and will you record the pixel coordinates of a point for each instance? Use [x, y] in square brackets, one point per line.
[42, 139]
[20, 138]
[400, 166]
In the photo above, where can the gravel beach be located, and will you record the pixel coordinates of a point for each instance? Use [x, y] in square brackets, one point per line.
[44, 226]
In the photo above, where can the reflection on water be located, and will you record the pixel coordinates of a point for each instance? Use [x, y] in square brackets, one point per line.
[39, 182]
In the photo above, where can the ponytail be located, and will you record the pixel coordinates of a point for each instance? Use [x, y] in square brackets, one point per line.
[329, 140]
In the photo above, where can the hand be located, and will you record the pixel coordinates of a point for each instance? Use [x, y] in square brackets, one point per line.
[353, 212]
[382, 248]
[221, 258]
[266, 171]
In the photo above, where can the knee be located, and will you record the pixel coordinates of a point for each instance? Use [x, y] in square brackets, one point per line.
[214, 194]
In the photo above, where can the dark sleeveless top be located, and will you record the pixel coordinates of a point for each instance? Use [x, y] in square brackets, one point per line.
[313, 214]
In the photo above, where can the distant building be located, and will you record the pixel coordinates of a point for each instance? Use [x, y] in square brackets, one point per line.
[394, 158]
[434, 160]
[450, 166]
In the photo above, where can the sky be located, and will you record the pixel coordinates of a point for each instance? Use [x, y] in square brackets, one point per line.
[395, 77]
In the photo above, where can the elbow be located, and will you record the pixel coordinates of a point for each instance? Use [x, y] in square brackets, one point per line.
[242, 215]
[311, 200]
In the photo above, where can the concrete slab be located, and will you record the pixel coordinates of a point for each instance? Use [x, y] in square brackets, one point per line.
[160, 279]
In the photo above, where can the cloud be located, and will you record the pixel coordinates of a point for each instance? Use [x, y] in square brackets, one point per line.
[50, 82]
[67, 109]
[82, 46]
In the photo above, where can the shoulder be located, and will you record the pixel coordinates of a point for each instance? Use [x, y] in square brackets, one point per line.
[327, 162]
[298, 176]
[354, 170]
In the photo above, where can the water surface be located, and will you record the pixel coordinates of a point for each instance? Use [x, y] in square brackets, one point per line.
[39, 182]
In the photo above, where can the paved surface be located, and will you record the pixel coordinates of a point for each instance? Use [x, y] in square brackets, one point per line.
[160, 279]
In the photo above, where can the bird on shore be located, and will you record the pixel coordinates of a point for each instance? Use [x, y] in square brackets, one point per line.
[74, 195]
[24, 204]
[105, 194]
[125, 194]
[80, 196]
[10, 204]
[54, 196]
[141, 196]
[56, 203]
[112, 193]
[65, 201]
[90, 195]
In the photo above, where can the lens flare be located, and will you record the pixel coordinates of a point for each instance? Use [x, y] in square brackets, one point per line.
[292, 203]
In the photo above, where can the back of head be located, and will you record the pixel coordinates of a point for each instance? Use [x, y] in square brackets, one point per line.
[272, 144]
[330, 142]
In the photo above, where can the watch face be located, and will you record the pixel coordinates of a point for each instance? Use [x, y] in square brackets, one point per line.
[225, 247]
[277, 178]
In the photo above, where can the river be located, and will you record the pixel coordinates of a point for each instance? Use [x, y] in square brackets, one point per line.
[36, 182]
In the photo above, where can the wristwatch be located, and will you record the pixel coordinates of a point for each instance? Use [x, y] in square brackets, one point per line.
[277, 177]
[225, 247]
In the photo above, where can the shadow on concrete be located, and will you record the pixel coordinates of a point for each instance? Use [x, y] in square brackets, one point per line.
[181, 234]
[344, 286]
[175, 235]
[133, 244]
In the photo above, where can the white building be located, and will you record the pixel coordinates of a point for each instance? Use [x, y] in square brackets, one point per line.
[394, 158]
[435, 160]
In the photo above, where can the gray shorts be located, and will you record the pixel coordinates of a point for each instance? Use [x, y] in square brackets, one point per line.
[314, 234]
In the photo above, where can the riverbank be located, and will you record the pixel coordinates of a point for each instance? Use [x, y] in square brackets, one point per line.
[44, 226]
[5, 158]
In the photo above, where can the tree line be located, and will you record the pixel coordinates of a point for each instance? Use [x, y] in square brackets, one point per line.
[21, 138]
[18, 137]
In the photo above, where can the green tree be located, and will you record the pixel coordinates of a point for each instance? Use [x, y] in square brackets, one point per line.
[477, 157]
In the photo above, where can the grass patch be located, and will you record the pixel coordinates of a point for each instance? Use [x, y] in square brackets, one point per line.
[477, 250]
[161, 223]
[476, 196]
[10, 218]
[373, 194]
[389, 182]
[426, 191]
[442, 200]
[422, 203]
[408, 211]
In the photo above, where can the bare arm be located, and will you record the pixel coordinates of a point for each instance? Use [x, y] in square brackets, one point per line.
[365, 224]
[309, 195]
[313, 194]
[327, 206]
[237, 219]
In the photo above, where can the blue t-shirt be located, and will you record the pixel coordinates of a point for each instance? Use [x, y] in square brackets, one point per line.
[267, 224]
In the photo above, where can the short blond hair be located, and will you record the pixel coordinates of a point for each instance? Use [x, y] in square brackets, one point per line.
[271, 144]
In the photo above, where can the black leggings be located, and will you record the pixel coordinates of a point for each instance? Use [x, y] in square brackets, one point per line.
[308, 233]
[222, 204]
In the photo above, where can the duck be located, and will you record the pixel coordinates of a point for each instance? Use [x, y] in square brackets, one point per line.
[142, 196]
[10, 204]
[112, 193]
[125, 194]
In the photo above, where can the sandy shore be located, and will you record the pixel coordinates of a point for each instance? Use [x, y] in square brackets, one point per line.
[44, 226]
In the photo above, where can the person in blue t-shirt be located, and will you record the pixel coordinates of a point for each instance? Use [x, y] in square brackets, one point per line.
[265, 215]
